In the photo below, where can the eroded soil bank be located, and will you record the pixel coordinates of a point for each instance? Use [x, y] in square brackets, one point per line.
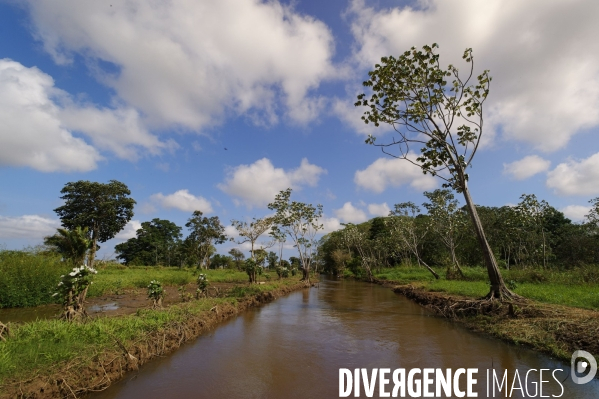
[552, 329]
[83, 375]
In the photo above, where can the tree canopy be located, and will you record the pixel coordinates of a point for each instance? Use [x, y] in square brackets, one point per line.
[442, 120]
[104, 209]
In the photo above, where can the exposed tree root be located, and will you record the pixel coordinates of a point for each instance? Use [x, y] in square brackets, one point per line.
[3, 330]
[553, 329]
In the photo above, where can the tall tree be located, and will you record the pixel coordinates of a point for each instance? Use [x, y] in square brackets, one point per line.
[447, 222]
[238, 257]
[156, 243]
[204, 233]
[250, 232]
[407, 233]
[443, 120]
[299, 221]
[104, 209]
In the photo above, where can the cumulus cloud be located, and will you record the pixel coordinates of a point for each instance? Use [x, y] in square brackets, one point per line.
[350, 214]
[27, 226]
[576, 212]
[31, 132]
[188, 62]
[258, 184]
[184, 201]
[129, 231]
[37, 122]
[379, 209]
[518, 42]
[329, 225]
[575, 177]
[393, 172]
[526, 167]
[351, 115]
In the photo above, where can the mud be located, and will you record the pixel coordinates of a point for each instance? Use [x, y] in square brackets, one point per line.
[79, 377]
[552, 329]
[125, 303]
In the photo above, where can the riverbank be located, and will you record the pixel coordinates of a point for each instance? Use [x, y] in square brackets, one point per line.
[556, 330]
[51, 358]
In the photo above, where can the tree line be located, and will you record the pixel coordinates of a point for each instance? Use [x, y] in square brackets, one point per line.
[95, 212]
[531, 234]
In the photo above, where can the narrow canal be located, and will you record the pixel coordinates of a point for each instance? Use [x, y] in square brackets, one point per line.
[295, 346]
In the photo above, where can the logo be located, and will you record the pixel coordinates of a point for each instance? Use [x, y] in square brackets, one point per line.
[579, 366]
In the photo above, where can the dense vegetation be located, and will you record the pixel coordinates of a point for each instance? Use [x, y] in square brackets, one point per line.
[28, 278]
[530, 235]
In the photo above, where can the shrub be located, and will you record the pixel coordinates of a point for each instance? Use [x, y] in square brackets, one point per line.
[155, 293]
[72, 288]
[28, 278]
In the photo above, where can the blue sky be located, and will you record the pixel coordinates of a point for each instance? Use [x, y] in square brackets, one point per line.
[151, 94]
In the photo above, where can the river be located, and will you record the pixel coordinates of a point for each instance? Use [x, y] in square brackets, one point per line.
[295, 346]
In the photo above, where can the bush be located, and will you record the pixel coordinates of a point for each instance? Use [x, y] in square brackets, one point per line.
[28, 278]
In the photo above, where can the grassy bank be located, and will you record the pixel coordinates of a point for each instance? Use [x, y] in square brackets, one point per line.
[50, 358]
[577, 288]
[114, 278]
[559, 317]
[29, 278]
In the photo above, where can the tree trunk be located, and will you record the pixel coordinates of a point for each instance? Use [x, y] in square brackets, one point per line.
[498, 288]
[92, 251]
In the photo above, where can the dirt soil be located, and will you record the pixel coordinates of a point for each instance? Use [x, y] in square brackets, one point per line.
[553, 329]
[80, 376]
[130, 300]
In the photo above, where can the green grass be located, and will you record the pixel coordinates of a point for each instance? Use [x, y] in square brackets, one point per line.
[114, 278]
[577, 287]
[40, 346]
[28, 279]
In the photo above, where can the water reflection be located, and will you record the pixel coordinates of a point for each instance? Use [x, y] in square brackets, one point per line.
[295, 346]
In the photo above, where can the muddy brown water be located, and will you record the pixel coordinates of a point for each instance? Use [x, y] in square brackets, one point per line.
[295, 346]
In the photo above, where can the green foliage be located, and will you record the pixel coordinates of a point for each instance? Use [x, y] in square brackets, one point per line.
[29, 278]
[74, 283]
[300, 222]
[70, 244]
[156, 243]
[412, 94]
[104, 209]
[251, 268]
[204, 233]
[203, 283]
[155, 292]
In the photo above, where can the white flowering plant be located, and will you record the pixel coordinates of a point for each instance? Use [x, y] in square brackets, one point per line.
[155, 293]
[72, 288]
[202, 285]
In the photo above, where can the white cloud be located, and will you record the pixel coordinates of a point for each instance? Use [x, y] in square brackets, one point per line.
[393, 172]
[119, 130]
[31, 132]
[351, 115]
[27, 226]
[258, 184]
[37, 122]
[545, 80]
[350, 214]
[379, 209]
[575, 177]
[526, 167]
[329, 225]
[129, 231]
[183, 201]
[231, 231]
[188, 62]
[576, 212]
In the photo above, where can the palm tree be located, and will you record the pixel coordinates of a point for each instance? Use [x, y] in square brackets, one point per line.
[71, 244]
